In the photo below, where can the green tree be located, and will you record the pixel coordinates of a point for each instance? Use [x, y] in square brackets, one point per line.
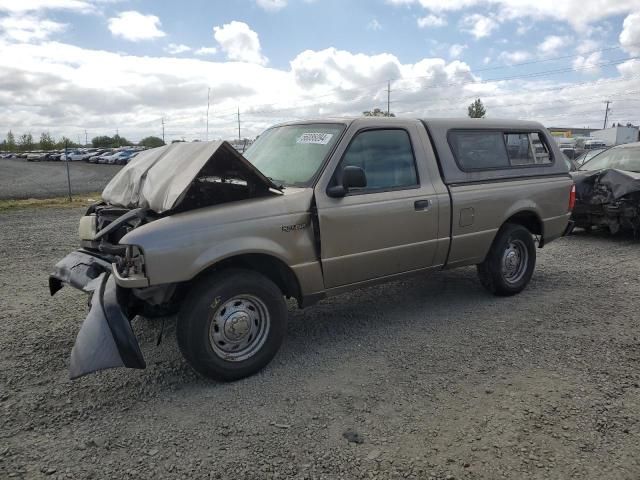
[66, 142]
[476, 109]
[119, 141]
[11, 141]
[25, 142]
[151, 142]
[46, 141]
[376, 112]
[103, 141]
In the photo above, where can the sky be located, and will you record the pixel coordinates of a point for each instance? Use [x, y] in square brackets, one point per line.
[84, 68]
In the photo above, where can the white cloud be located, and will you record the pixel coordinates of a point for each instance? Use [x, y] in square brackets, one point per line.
[456, 50]
[239, 42]
[478, 25]
[588, 64]
[271, 5]
[552, 43]
[432, 21]
[206, 51]
[587, 46]
[54, 86]
[175, 48]
[517, 56]
[577, 13]
[135, 26]
[28, 28]
[374, 25]
[21, 6]
[630, 35]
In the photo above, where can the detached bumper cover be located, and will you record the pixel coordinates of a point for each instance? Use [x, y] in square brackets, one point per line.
[105, 339]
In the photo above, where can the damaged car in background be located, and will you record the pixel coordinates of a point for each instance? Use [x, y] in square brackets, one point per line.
[311, 210]
[608, 190]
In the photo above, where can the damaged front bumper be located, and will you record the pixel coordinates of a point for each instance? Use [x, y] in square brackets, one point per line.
[106, 339]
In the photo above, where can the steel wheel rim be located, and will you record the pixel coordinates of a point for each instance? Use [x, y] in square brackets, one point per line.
[515, 259]
[239, 327]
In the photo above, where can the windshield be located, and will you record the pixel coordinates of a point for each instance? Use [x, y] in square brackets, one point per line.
[620, 158]
[293, 154]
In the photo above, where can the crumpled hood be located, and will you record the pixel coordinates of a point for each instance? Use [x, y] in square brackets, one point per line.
[158, 179]
[618, 182]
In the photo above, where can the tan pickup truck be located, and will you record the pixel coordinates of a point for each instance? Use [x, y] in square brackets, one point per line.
[312, 209]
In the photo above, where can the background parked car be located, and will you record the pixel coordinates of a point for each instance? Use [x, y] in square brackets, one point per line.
[588, 155]
[95, 158]
[608, 190]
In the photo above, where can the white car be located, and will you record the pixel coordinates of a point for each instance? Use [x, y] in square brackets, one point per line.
[78, 155]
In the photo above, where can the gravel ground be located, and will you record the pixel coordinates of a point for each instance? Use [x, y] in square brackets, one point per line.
[22, 179]
[428, 378]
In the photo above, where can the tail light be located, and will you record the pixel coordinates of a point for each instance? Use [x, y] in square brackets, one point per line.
[572, 198]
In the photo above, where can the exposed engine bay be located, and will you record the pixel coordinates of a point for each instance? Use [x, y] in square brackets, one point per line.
[161, 182]
[608, 198]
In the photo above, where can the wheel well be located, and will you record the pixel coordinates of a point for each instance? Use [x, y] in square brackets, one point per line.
[530, 221]
[271, 267]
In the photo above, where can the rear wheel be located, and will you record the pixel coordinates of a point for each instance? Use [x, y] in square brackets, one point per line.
[231, 324]
[511, 261]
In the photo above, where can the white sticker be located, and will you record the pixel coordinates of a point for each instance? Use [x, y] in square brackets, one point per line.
[315, 138]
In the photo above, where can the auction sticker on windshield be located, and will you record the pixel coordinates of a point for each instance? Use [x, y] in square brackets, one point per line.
[315, 138]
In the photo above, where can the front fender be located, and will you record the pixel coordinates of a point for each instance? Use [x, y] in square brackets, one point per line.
[236, 247]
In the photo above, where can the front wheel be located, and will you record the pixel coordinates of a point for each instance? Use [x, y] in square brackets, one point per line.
[231, 324]
[510, 262]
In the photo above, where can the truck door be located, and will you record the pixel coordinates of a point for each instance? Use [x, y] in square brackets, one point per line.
[390, 226]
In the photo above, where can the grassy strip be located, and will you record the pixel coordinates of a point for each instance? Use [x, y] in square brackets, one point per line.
[83, 200]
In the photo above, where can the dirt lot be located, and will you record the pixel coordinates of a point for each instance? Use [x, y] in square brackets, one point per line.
[22, 179]
[435, 377]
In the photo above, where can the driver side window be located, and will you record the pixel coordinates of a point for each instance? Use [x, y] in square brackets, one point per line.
[385, 156]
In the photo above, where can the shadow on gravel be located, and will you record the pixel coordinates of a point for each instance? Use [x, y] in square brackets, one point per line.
[422, 302]
[430, 302]
[604, 235]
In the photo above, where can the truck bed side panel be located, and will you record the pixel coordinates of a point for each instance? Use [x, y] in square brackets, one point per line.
[480, 209]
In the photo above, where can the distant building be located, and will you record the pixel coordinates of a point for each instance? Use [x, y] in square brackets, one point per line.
[617, 135]
[569, 132]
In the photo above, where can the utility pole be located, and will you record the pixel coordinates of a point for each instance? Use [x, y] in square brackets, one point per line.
[86, 138]
[118, 137]
[208, 95]
[606, 113]
[66, 158]
[239, 137]
[163, 130]
[388, 98]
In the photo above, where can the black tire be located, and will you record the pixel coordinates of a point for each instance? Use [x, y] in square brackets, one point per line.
[203, 323]
[510, 240]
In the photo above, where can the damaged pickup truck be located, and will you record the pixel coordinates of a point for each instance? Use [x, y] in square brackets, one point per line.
[312, 209]
[608, 190]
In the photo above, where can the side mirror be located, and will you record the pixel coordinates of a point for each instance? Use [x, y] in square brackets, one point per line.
[352, 177]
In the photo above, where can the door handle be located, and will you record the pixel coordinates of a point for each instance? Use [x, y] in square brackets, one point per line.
[422, 204]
